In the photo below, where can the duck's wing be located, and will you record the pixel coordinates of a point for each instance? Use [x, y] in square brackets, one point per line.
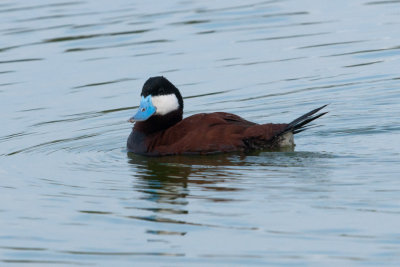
[217, 132]
[230, 118]
[203, 133]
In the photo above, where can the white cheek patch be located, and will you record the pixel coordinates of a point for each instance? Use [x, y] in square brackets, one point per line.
[164, 104]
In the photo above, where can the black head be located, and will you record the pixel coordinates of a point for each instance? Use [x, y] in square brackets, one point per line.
[159, 85]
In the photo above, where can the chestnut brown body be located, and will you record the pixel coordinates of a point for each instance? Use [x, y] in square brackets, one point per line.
[203, 133]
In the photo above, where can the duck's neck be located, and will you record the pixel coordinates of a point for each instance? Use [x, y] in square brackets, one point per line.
[158, 123]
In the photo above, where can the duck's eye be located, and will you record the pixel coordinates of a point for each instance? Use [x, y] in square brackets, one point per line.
[143, 109]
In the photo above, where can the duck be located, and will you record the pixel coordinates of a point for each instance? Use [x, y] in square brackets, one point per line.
[160, 130]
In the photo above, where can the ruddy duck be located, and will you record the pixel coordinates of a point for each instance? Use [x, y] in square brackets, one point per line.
[159, 129]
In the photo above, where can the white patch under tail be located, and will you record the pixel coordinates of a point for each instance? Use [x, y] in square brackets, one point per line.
[164, 104]
[286, 140]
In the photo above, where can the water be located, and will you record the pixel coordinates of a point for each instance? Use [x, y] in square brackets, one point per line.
[70, 77]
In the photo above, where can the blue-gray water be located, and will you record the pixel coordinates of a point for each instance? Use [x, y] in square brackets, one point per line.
[70, 77]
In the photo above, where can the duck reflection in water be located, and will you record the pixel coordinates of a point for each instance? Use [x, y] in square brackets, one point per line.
[166, 179]
[166, 182]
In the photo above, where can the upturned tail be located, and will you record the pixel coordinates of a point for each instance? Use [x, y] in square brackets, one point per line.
[301, 123]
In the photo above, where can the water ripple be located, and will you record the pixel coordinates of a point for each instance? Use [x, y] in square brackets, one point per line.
[79, 37]
[283, 37]
[20, 60]
[8, 10]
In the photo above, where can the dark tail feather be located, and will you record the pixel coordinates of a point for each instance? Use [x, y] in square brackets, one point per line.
[300, 124]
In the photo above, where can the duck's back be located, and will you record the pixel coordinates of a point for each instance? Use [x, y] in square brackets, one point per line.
[207, 133]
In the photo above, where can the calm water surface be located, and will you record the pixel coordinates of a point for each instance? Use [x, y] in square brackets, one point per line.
[70, 77]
